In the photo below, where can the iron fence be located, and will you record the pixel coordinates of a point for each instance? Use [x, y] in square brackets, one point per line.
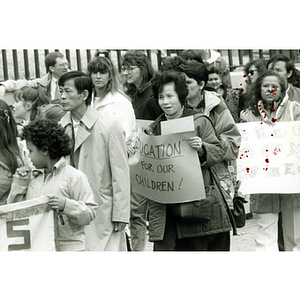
[29, 64]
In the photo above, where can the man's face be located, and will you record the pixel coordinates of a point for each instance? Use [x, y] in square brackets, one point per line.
[71, 100]
[60, 67]
[280, 68]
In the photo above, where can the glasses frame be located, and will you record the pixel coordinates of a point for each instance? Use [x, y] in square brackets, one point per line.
[251, 72]
[128, 69]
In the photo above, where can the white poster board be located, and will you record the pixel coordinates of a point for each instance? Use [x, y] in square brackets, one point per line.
[269, 158]
[166, 169]
[27, 226]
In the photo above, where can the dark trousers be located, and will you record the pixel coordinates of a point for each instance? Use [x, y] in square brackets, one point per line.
[170, 242]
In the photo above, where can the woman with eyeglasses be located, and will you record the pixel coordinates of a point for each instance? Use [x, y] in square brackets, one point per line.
[253, 70]
[272, 105]
[138, 72]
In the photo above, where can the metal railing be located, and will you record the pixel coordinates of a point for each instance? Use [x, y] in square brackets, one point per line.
[29, 64]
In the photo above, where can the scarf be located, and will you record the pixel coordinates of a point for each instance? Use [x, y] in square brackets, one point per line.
[270, 117]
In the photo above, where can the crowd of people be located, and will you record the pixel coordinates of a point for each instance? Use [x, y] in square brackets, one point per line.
[69, 136]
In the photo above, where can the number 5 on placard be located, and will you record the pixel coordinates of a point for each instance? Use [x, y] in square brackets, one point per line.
[18, 233]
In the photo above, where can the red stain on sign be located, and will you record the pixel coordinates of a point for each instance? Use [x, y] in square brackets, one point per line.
[273, 120]
[276, 151]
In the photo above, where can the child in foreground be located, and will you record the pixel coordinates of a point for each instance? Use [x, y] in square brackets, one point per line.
[70, 195]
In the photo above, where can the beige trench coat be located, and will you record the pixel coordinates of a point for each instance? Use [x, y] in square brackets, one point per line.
[100, 152]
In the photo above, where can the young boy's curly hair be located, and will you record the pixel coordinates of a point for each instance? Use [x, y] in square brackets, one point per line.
[48, 135]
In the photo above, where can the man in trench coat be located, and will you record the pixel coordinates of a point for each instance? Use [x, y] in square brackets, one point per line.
[99, 151]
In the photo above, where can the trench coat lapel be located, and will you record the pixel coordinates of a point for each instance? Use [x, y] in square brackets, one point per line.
[81, 136]
[87, 122]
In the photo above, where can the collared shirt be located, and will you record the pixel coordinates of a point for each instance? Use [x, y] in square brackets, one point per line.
[75, 126]
[54, 87]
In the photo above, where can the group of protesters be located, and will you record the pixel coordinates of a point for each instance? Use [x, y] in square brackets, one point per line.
[69, 136]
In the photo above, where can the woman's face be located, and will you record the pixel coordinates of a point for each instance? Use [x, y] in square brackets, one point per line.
[193, 87]
[214, 81]
[252, 74]
[270, 89]
[100, 80]
[168, 100]
[19, 110]
[133, 75]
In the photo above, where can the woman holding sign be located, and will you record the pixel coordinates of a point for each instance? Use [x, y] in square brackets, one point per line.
[166, 230]
[272, 105]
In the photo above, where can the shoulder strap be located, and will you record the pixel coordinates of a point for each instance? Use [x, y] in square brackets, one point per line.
[199, 115]
[216, 180]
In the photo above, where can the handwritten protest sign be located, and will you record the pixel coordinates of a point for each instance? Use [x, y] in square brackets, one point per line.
[27, 226]
[269, 158]
[166, 169]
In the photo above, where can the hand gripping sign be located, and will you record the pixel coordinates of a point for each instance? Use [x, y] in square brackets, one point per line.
[27, 226]
[166, 169]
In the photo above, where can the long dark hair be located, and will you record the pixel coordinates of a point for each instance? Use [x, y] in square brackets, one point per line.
[260, 65]
[8, 137]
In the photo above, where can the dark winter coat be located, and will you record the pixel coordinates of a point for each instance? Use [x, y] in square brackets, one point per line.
[214, 153]
[144, 105]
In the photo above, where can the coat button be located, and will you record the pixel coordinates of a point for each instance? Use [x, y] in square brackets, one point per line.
[86, 155]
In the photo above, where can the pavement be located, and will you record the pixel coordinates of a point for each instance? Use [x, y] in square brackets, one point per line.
[244, 241]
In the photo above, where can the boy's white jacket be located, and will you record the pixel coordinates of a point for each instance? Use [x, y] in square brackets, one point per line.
[66, 181]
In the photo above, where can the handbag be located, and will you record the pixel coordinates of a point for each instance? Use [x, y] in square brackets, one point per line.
[238, 211]
[198, 211]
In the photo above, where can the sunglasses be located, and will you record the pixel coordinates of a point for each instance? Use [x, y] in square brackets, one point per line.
[251, 72]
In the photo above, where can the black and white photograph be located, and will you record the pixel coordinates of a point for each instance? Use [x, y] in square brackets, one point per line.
[145, 143]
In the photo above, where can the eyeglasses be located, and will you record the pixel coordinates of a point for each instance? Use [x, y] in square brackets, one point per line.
[251, 72]
[128, 69]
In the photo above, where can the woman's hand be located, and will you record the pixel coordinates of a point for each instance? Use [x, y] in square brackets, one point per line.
[196, 143]
[57, 202]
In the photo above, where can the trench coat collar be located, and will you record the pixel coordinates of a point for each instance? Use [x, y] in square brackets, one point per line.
[88, 120]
